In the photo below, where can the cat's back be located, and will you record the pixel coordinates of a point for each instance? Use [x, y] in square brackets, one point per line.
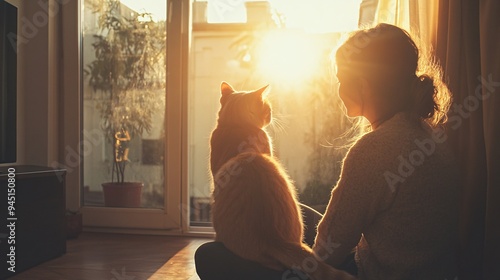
[254, 208]
[227, 142]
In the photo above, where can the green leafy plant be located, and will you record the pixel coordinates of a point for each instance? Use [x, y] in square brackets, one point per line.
[128, 75]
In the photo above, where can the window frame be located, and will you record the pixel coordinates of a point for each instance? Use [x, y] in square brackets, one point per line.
[174, 218]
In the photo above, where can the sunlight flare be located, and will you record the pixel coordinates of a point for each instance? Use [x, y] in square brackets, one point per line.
[319, 16]
[288, 56]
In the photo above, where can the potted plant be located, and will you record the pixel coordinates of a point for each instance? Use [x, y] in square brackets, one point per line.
[128, 79]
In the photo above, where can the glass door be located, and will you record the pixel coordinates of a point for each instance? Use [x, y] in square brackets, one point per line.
[285, 44]
[125, 100]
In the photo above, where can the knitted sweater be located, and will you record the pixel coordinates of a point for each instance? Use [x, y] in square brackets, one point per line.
[396, 203]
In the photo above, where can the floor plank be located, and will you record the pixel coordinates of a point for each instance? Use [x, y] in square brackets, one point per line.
[121, 257]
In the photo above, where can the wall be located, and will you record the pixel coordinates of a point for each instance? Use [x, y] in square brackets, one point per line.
[37, 83]
[48, 102]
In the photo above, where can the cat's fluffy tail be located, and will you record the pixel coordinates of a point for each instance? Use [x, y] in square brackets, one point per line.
[302, 264]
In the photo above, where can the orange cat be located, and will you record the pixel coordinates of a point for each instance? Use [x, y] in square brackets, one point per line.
[240, 125]
[255, 211]
[256, 216]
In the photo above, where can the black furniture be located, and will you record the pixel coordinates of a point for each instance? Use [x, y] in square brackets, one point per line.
[214, 262]
[35, 219]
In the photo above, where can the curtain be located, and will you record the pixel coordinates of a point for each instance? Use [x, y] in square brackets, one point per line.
[489, 24]
[468, 47]
[417, 17]
[394, 12]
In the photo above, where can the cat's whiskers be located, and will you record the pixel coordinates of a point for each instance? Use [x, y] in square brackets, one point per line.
[278, 125]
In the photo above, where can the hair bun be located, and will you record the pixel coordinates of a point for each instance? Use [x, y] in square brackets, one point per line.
[424, 104]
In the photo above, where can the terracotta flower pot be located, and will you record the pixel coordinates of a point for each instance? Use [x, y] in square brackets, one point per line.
[127, 194]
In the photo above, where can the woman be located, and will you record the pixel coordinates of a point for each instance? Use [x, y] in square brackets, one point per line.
[396, 201]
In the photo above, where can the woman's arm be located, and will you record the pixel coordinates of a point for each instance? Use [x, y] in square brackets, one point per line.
[361, 193]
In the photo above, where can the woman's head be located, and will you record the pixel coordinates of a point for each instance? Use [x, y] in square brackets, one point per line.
[382, 72]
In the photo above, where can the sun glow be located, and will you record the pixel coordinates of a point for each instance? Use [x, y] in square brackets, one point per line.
[319, 16]
[296, 51]
[288, 56]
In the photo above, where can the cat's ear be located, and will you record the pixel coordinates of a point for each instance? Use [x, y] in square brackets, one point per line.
[263, 91]
[226, 89]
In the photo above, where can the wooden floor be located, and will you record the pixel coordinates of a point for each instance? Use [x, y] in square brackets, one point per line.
[98, 256]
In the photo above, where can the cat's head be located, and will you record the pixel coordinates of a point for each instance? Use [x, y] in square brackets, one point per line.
[244, 107]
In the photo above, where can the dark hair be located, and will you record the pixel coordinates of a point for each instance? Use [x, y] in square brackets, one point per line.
[389, 58]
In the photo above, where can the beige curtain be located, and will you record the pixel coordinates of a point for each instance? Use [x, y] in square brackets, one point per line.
[396, 12]
[417, 17]
[468, 47]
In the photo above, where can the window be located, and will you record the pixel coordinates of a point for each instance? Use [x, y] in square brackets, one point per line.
[286, 44]
[124, 76]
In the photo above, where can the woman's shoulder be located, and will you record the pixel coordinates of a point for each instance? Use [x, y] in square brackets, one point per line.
[399, 139]
[394, 136]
